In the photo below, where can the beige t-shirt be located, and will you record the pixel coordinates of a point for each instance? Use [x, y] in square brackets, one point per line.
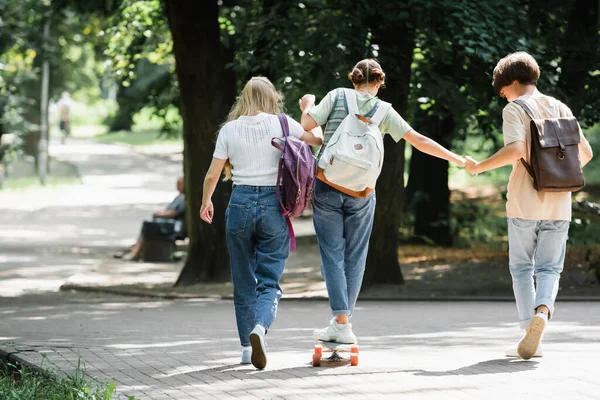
[523, 200]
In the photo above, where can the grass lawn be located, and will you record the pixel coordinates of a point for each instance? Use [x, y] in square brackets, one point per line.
[34, 181]
[144, 137]
[138, 138]
[25, 384]
[144, 141]
[22, 175]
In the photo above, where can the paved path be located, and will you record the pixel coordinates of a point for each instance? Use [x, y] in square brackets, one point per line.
[49, 234]
[409, 350]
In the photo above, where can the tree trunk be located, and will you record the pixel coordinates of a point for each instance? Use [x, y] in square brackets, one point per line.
[580, 51]
[123, 120]
[207, 90]
[427, 191]
[395, 57]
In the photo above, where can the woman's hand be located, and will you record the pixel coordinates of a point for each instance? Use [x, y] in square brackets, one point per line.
[207, 211]
[471, 166]
[307, 101]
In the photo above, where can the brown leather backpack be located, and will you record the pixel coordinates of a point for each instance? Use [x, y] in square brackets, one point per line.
[555, 165]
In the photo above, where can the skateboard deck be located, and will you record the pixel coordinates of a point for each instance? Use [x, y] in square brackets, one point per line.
[335, 348]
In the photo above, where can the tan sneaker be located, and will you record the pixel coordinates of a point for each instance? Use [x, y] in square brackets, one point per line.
[512, 352]
[528, 346]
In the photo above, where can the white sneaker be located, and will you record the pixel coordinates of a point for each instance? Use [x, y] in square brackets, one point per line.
[259, 353]
[246, 356]
[528, 346]
[512, 352]
[336, 333]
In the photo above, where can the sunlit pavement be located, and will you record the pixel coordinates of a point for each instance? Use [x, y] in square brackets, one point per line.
[49, 234]
[190, 350]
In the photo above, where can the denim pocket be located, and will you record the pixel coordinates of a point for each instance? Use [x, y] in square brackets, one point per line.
[320, 191]
[236, 218]
[524, 223]
[560, 225]
[272, 222]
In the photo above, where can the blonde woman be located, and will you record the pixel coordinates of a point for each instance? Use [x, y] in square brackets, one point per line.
[257, 236]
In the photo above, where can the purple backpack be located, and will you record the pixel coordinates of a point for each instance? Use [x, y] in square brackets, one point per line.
[297, 168]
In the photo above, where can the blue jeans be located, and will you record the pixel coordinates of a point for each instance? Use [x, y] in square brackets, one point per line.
[259, 245]
[536, 248]
[343, 225]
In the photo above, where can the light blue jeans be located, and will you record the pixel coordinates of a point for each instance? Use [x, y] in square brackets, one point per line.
[259, 245]
[536, 248]
[343, 226]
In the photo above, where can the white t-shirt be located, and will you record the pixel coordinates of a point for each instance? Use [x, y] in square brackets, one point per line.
[523, 201]
[246, 142]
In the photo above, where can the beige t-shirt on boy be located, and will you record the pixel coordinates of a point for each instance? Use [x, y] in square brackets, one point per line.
[523, 200]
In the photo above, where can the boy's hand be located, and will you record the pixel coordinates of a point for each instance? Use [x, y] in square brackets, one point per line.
[471, 166]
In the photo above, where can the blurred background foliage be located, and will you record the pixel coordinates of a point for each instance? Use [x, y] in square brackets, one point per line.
[116, 59]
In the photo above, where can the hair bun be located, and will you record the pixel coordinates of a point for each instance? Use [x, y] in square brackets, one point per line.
[357, 74]
[366, 72]
[376, 72]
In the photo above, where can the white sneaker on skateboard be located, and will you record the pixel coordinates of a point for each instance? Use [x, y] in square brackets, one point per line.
[339, 333]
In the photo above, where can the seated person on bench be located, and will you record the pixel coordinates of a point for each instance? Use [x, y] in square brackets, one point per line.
[175, 212]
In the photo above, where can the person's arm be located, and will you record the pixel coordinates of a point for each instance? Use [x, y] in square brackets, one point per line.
[506, 155]
[313, 137]
[585, 151]
[165, 213]
[210, 183]
[306, 103]
[316, 115]
[431, 147]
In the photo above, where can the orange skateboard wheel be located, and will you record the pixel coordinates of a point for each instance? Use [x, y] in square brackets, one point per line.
[353, 359]
[354, 349]
[319, 350]
[316, 361]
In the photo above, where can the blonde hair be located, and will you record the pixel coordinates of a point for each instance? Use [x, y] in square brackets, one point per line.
[258, 95]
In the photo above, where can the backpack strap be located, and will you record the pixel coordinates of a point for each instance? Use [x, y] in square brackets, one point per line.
[351, 101]
[291, 232]
[382, 110]
[340, 97]
[531, 115]
[285, 128]
[528, 110]
[286, 132]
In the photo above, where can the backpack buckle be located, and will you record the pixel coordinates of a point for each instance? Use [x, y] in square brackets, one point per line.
[363, 119]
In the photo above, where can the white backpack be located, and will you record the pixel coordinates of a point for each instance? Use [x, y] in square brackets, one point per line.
[353, 157]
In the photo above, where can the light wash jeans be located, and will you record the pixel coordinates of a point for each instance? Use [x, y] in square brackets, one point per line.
[536, 248]
[343, 225]
[259, 245]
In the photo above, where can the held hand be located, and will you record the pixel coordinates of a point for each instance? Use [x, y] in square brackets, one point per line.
[471, 166]
[206, 212]
[308, 100]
